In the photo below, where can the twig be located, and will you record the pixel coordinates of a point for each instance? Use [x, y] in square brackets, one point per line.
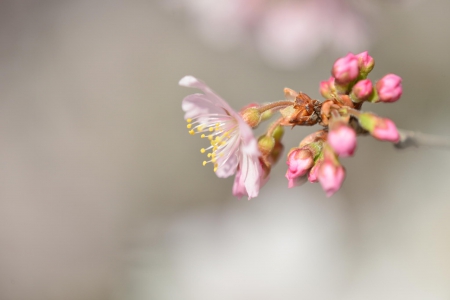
[416, 139]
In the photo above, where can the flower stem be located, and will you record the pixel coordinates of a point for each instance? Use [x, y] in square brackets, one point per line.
[273, 126]
[278, 104]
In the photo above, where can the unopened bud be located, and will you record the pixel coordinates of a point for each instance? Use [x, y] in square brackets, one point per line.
[251, 116]
[299, 161]
[266, 145]
[362, 90]
[346, 69]
[317, 136]
[343, 140]
[365, 63]
[331, 176]
[389, 88]
[327, 89]
[380, 128]
[313, 175]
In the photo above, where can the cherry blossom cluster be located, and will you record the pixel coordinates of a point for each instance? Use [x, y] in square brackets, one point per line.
[234, 150]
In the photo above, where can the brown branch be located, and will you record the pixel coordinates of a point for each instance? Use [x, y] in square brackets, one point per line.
[417, 139]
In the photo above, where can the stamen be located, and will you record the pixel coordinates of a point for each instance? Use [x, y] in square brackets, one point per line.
[191, 132]
[189, 120]
[189, 126]
[203, 136]
[204, 163]
[202, 150]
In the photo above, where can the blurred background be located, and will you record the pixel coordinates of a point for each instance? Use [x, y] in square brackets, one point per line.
[102, 192]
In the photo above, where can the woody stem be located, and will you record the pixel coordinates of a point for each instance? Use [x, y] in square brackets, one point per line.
[416, 139]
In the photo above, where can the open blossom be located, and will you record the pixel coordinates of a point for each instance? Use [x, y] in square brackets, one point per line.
[232, 144]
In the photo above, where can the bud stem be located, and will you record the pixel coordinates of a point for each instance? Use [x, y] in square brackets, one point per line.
[273, 126]
[278, 104]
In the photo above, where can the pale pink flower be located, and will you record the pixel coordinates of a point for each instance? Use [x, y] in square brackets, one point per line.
[346, 69]
[331, 176]
[232, 142]
[240, 185]
[343, 140]
[389, 88]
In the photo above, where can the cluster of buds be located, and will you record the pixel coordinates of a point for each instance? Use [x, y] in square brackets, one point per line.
[234, 149]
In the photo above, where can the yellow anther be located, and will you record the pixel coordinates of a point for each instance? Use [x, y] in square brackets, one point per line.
[209, 154]
[215, 169]
[191, 132]
[200, 128]
[204, 163]
[211, 129]
[218, 139]
[210, 137]
[202, 150]
[213, 160]
[189, 126]
[203, 136]
[189, 120]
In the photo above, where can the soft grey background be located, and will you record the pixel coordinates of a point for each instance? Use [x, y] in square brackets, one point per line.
[102, 192]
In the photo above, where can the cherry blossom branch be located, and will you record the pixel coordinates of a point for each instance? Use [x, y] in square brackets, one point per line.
[412, 138]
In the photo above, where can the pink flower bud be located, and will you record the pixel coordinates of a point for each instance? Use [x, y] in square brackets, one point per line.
[331, 176]
[380, 128]
[327, 88]
[251, 116]
[389, 88]
[362, 90]
[346, 69]
[365, 62]
[300, 160]
[313, 175]
[386, 130]
[343, 140]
